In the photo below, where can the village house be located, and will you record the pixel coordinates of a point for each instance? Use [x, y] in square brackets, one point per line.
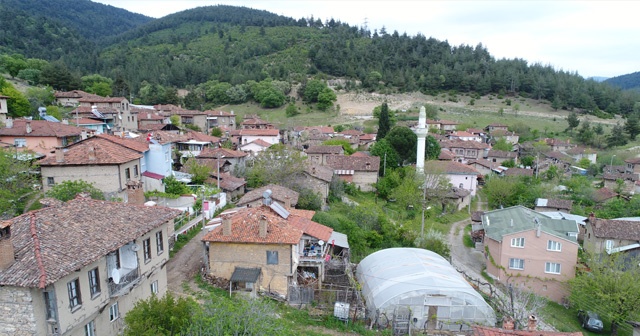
[508, 136]
[515, 171]
[147, 118]
[553, 204]
[317, 155]
[233, 186]
[79, 267]
[220, 119]
[252, 122]
[466, 150]
[526, 248]
[628, 181]
[367, 140]
[611, 236]
[361, 171]
[71, 98]
[40, 136]
[558, 145]
[268, 135]
[463, 136]
[578, 153]
[317, 178]
[116, 109]
[459, 175]
[633, 166]
[486, 167]
[254, 147]
[496, 127]
[103, 163]
[254, 198]
[236, 159]
[94, 126]
[499, 156]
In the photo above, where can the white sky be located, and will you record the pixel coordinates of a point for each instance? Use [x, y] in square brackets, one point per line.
[594, 38]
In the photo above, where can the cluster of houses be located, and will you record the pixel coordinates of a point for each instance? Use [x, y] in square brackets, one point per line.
[52, 282]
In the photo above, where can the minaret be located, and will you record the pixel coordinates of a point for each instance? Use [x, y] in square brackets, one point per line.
[421, 132]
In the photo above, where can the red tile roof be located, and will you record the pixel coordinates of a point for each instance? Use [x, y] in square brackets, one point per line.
[325, 149]
[603, 194]
[98, 99]
[214, 153]
[137, 146]
[518, 172]
[41, 128]
[245, 228]
[258, 132]
[219, 113]
[105, 152]
[342, 162]
[278, 193]
[259, 142]
[72, 235]
[361, 154]
[351, 132]
[311, 228]
[448, 167]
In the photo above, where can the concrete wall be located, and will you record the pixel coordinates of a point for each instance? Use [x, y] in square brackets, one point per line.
[42, 145]
[318, 186]
[270, 139]
[365, 180]
[223, 258]
[159, 159]
[469, 182]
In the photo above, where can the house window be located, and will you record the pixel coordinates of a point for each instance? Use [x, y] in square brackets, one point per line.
[94, 282]
[51, 181]
[146, 248]
[135, 171]
[272, 257]
[609, 244]
[517, 242]
[19, 142]
[553, 268]
[127, 173]
[516, 264]
[73, 288]
[553, 245]
[90, 329]
[50, 305]
[154, 287]
[114, 312]
[159, 243]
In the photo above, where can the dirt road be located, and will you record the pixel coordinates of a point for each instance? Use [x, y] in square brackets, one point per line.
[185, 264]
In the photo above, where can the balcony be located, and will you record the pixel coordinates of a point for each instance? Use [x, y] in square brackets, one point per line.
[126, 279]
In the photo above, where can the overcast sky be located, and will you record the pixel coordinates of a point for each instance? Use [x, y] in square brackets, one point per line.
[594, 38]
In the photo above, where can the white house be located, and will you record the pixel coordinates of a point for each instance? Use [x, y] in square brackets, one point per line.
[460, 175]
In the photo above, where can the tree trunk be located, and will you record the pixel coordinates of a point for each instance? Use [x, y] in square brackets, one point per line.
[614, 328]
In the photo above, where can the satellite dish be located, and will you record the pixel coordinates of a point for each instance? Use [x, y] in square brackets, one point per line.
[135, 247]
[115, 275]
[321, 242]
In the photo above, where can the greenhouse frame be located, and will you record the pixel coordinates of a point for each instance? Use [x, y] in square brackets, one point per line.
[426, 285]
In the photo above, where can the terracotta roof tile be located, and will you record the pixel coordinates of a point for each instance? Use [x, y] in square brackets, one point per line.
[245, 228]
[264, 132]
[603, 194]
[502, 154]
[105, 152]
[278, 193]
[321, 172]
[214, 153]
[126, 142]
[342, 162]
[41, 128]
[99, 99]
[361, 154]
[73, 235]
[311, 228]
[518, 172]
[448, 167]
[325, 150]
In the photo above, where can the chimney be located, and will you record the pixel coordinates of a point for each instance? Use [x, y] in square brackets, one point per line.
[9, 123]
[135, 194]
[533, 323]
[92, 153]
[226, 225]
[148, 115]
[7, 253]
[508, 324]
[266, 197]
[263, 226]
[65, 121]
[287, 202]
[83, 135]
[28, 127]
[59, 155]
[593, 220]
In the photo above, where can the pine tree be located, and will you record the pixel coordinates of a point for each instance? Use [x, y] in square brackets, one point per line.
[384, 124]
[632, 126]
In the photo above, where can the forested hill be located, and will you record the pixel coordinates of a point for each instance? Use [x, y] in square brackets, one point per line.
[91, 20]
[626, 82]
[237, 45]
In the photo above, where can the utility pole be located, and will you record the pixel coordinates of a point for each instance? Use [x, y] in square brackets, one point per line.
[384, 167]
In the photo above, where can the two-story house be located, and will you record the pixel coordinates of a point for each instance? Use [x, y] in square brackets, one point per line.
[499, 156]
[611, 236]
[220, 119]
[236, 159]
[317, 155]
[106, 164]
[115, 107]
[268, 135]
[283, 195]
[70, 98]
[317, 178]
[40, 136]
[466, 150]
[460, 176]
[526, 248]
[464, 136]
[253, 122]
[495, 127]
[362, 171]
[254, 147]
[77, 268]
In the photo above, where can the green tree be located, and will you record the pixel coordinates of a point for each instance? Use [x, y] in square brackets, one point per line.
[632, 126]
[15, 182]
[199, 172]
[39, 96]
[17, 104]
[585, 133]
[277, 164]
[216, 132]
[500, 191]
[326, 98]
[610, 287]
[404, 141]
[346, 146]
[312, 89]
[174, 187]
[291, 110]
[308, 199]
[92, 82]
[389, 158]
[68, 190]
[573, 121]
[384, 123]
[175, 120]
[58, 76]
[434, 241]
[503, 145]
[617, 137]
[510, 163]
[160, 316]
[432, 148]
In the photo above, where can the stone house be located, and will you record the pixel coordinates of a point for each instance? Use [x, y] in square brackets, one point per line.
[633, 166]
[526, 248]
[148, 117]
[486, 167]
[236, 159]
[71, 98]
[508, 136]
[282, 195]
[499, 156]
[317, 155]
[253, 123]
[362, 171]
[81, 266]
[40, 136]
[629, 181]
[578, 153]
[317, 178]
[515, 171]
[495, 127]
[611, 236]
[558, 145]
[105, 164]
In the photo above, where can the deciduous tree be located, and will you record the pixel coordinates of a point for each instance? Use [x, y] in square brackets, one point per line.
[68, 190]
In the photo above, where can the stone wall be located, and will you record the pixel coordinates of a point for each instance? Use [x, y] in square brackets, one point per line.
[16, 312]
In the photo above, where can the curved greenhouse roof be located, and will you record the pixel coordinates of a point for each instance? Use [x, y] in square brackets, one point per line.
[420, 279]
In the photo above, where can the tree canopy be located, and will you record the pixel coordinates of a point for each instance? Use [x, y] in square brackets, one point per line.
[68, 190]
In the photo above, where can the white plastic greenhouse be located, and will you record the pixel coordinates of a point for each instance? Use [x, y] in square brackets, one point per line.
[426, 285]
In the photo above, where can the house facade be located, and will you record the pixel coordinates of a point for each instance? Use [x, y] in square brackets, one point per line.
[53, 282]
[116, 107]
[269, 135]
[465, 151]
[528, 249]
[362, 171]
[107, 165]
[220, 119]
[40, 136]
[317, 155]
[459, 175]
[285, 196]
[499, 156]
[611, 236]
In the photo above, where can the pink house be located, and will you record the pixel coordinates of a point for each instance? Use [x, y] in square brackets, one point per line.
[40, 136]
[528, 249]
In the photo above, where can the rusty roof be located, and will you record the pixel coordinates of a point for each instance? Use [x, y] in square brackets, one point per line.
[53, 242]
[245, 228]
